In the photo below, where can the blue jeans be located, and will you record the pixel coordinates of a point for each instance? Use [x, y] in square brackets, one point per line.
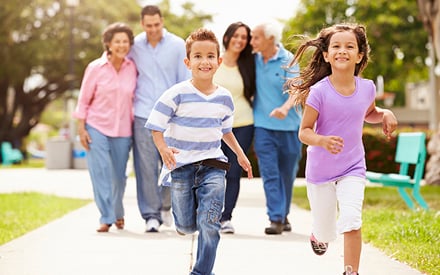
[197, 194]
[244, 136]
[278, 155]
[107, 163]
[151, 197]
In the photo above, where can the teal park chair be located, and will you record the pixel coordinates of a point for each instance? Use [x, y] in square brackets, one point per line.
[9, 154]
[411, 150]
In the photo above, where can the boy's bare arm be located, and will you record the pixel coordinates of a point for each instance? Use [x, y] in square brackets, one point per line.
[243, 161]
[166, 153]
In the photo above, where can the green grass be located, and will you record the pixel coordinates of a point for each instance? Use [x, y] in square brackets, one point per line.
[409, 236]
[23, 212]
[29, 163]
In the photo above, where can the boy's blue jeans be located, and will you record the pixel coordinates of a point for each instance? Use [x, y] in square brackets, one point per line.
[197, 195]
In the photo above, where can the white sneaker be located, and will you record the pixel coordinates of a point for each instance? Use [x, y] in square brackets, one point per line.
[167, 218]
[227, 228]
[152, 225]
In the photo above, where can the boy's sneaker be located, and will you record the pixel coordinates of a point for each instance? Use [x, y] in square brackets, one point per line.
[152, 225]
[227, 228]
[318, 247]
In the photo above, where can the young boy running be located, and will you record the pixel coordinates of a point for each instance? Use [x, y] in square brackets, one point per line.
[188, 123]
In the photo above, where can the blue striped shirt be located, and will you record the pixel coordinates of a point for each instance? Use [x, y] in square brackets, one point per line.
[193, 123]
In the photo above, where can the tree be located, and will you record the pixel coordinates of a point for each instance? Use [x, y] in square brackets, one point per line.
[430, 16]
[34, 35]
[398, 41]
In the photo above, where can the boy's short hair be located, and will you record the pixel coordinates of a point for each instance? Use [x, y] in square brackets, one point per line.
[201, 34]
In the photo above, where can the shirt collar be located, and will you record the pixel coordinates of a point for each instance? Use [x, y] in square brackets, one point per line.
[103, 60]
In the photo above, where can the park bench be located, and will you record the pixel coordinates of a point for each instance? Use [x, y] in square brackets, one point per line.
[9, 154]
[410, 151]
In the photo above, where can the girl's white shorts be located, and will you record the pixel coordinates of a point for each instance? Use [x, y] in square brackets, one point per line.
[346, 195]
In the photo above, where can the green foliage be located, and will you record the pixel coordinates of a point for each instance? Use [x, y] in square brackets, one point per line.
[23, 212]
[36, 38]
[183, 25]
[396, 36]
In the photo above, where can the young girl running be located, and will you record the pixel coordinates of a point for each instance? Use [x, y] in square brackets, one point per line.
[336, 103]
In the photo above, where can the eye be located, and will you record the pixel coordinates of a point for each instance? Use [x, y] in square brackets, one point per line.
[212, 56]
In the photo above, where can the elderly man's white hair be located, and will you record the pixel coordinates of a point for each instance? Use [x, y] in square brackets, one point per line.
[273, 28]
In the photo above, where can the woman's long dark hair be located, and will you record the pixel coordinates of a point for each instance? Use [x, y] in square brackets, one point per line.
[246, 62]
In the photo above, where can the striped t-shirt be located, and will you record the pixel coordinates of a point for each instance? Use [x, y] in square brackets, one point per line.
[193, 123]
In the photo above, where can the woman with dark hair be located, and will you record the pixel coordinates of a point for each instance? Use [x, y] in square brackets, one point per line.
[105, 116]
[237, 74]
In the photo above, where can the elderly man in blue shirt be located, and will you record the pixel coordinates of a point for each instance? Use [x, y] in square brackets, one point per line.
[276, 123]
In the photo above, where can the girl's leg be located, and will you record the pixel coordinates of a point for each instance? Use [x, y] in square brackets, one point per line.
[322, 200]
[350, 194]
[352, 249]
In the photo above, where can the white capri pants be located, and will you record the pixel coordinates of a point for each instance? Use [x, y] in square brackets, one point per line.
[345, 194]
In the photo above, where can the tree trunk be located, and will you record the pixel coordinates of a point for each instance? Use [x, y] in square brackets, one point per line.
[430, 15]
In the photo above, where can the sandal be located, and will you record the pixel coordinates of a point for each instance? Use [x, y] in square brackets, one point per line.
[103, 228]
[120, 223]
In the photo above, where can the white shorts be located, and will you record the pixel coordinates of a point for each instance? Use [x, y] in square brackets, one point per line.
[345, 194]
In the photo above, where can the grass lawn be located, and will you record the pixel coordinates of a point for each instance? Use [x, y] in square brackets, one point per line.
[23, 212]
[409, 236]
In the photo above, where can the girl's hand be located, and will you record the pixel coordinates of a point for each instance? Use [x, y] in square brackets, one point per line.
[333, 144]
[389, 123]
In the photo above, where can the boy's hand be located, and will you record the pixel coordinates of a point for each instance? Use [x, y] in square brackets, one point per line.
[167, 155]
[246, 165]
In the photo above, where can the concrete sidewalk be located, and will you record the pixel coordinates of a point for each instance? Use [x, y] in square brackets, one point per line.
[70, 245]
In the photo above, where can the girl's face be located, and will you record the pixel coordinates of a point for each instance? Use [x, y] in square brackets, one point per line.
[203, 60]
[238, 40]
[119, 45]
[343, 52]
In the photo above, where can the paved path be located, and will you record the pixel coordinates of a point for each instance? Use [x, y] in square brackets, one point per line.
[70, 245]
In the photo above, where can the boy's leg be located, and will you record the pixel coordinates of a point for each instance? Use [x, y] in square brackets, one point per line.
[210, 190]
[183, 199]
[350, 193]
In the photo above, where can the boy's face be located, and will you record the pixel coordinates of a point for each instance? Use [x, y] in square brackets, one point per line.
[203, 60]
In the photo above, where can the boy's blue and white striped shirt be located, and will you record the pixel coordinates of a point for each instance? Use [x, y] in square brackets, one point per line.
[193, 123]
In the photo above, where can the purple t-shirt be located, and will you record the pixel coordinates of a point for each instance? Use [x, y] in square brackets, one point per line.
[342, 116]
